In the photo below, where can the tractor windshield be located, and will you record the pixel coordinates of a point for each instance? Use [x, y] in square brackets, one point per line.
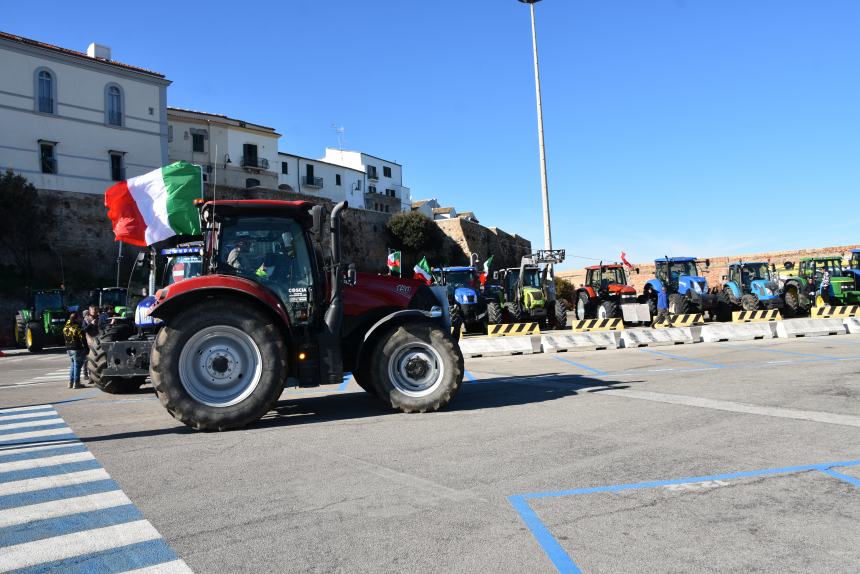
[750, 273]
[113, 297]
[272, 251]
[179, 268]
[48, 300]
[671, 271]
[532, 278]
[454, 279]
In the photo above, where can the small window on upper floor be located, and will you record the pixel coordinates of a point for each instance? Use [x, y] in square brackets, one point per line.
[386, 171]
[371, 172]
[47, 157]
[117, 165]
[113, 105]
[45, 92]
[285, 168]
[337, 179]
[198, 143]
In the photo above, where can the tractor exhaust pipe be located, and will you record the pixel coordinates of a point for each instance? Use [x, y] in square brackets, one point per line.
[331, 356]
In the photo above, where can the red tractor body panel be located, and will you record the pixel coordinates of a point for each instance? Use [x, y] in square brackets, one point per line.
[378, 291]
[617, 289]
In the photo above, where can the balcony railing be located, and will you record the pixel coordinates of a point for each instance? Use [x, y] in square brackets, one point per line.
[115, 118]
[312, 181]
[255, 162]
[372, 174]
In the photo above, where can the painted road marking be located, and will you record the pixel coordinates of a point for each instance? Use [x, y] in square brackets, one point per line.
[731, 406]
[61, 512]
[682, 358]
[704, 485]
[563, 561]
[597, 372]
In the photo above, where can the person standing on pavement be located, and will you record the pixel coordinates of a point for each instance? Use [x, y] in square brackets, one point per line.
[825, 285]
[662, 305]
[76, 348]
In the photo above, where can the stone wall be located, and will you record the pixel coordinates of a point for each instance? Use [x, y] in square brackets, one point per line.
[719, 264]
[472, 237]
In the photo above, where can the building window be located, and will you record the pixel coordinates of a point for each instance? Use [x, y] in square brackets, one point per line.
[285, 168]
[249, 155]
[387, 208]
[113, 105]
[371, 172]
[48, 160]
[386, 171]
[117, 166]
[46, 91]
[337, 179]
[197, 144]
[309, 172]
[169, 133]
[371, 189]
[251, 182]
[390, 192]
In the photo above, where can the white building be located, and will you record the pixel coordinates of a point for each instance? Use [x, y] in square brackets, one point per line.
[321, 179]
[383, 189]
[245, 154]
[75, 121]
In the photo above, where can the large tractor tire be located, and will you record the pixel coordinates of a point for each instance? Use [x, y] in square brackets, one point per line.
[214, 370]
[652, 307]
[97, 363]
[34, 337]
[494, 313]
[560, 314]
[456, 321]
[678, 304]
[749, 302]
[416, 367]
[515, 312]
[584, 307]
[608, 310]
[18, 332]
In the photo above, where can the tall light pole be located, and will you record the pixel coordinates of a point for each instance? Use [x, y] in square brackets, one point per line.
[547, 231]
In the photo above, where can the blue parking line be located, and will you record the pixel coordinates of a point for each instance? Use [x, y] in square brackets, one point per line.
[682, 358]
[345, 383]
[469, 376]
[111, 561]
[562, 560]
[597, 372]
[50, 527]
[791, 353]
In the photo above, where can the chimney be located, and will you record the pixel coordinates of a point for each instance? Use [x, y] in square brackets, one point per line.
[98, 51]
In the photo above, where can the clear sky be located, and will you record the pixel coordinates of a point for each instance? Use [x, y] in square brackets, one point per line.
[685, 127]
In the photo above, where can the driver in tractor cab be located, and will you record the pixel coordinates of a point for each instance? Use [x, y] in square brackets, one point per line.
[240, 258]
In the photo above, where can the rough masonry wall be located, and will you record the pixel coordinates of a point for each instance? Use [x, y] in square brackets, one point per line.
[719, 265]
[471, 237]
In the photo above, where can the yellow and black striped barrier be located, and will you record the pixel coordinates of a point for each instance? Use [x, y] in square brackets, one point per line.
[835, 312]
[598, 325]
[756, 316]
[680, 321]
[508, 329]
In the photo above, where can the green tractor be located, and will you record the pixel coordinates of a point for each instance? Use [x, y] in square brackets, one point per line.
[528, 293]
[802, 287]
[41, 324]
[114, 297]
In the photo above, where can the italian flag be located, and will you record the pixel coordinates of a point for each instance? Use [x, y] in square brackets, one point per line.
[394, 261]
[157, 205]
[422, 271]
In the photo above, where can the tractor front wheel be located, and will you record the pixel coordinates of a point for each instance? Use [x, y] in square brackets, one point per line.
[494, 313]
[608, 310]
[214, 370]
[97, 363]
[749, 302]
[416, 367]
[792, 301]
[560, 311]
[678, 304]
[584, 307]
[34, 337]
[515, 312]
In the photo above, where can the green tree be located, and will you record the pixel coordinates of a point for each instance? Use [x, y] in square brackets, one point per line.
[412, 231]
[26, 219]
[565, 290]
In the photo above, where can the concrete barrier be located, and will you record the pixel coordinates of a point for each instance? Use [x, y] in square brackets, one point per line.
[633, 338]
[716, 332]
[809, 328]
[499, 346]
[852, 325]
[591, 341]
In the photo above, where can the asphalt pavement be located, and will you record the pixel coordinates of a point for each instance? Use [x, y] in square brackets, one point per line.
[722, 457]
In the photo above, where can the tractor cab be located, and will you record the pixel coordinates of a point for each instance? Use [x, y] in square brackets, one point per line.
[608, 279]
[605, 293]
[114, 297]
[50, 301]
[751, 286]
[854, 266]
[688, 291]
[843, 282]
[41, 324]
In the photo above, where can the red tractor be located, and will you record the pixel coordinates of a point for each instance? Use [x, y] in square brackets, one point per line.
[604, 292]
[269, 306]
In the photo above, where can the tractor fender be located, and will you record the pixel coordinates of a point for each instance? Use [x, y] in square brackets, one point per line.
[733, 287]
[655, 284]
[589, 290]
[179, 296]
[799, 283]
[387, 322]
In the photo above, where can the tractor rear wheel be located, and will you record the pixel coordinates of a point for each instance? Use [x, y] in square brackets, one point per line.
[584, 307]
[608, 310]
[749, 302]
[678, 304]
[494, 313]
[18, 334]
[97, 363]
[416, 367]
[515, 312]
[34, 337]
[214, 370]
[560, 311]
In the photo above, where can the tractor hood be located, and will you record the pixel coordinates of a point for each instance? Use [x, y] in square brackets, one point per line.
[465, 296]
[764, 289]
[840, 284]
[616, 289]
[532, 298]
[692, 283]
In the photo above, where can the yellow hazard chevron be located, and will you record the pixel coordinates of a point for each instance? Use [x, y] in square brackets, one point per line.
[508, 329]
[835, 312]
[680, 321]
[598, 325]
[756, 316]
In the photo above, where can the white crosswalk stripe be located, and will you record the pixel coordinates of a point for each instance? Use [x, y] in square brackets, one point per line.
[55, 516]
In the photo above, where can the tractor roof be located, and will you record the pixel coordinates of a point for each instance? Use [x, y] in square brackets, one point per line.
[259, 207]
[610, 266]
[675, 260]
[745, 263]
[855, 251]
[447, 269]
[822, 258]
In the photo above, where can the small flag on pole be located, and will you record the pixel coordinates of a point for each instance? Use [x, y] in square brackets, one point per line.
[422, 271]
[394, 262]
[624, 260]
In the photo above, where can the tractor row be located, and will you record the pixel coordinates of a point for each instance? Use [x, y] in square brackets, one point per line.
[747, 286]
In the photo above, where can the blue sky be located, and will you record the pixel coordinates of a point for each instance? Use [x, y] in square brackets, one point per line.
[686, 127]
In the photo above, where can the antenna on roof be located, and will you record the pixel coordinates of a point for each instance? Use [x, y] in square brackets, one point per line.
[339, 130]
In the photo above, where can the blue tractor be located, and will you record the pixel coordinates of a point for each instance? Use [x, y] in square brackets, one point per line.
[750, 286]
[467, 303]
[854, 267]
[688, 291]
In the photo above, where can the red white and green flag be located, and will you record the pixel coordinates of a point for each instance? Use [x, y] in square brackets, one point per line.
[157, 205]
[422, 271]
[394, 262]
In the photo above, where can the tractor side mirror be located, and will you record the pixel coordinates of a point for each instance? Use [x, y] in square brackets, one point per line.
[351, 275]
[318, 220]
[725, 277]
[707, 263]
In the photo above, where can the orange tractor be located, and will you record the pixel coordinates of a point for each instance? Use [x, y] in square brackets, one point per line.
[607, 295]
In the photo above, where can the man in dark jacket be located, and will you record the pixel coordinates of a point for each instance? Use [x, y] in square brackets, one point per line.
[662, 305]
[76, 348]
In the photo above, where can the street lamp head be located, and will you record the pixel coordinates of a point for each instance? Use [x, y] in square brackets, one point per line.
[529, 1]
